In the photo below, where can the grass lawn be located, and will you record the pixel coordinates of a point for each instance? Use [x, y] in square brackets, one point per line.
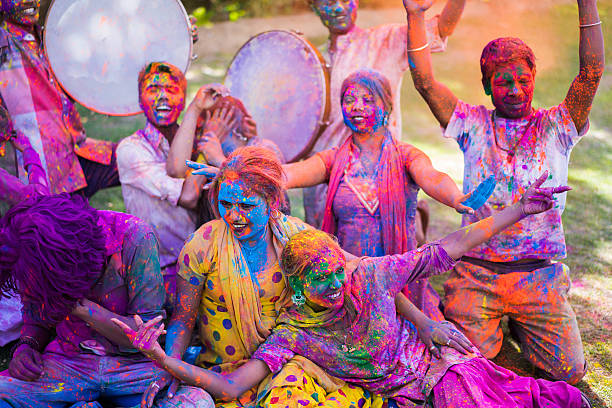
[552, 32]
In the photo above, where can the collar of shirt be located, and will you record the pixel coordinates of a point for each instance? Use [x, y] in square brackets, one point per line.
[155, 138]
[109, 227]
[342, 42]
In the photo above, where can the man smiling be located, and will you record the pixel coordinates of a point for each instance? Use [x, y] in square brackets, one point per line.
[381, 48]
[166, 203]
[512, 274]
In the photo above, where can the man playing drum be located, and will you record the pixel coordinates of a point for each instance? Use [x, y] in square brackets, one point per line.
[43, 112]
[381, 48]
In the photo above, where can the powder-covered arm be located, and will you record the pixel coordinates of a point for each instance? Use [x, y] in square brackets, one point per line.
[222, 387]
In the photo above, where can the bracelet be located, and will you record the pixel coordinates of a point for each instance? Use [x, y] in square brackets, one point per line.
[420, 48]
[29, 340]
[590, 25]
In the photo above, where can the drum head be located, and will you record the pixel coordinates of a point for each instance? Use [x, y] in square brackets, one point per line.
[282, 80]
[97, 47]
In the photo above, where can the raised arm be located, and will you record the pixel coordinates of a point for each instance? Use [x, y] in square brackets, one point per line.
[440, 99]
[305, 173]
[223, 387]
[534, 201]
[450, 17]
[182, 144]
[582, 91]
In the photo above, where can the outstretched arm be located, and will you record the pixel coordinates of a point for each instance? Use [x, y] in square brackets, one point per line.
[436, 184]
[535, 200]
[440, 99]
[450, 17]
[305, 173]
[582, 91]
[224, 387]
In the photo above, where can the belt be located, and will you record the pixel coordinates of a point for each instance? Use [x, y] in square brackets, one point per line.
[508, 267]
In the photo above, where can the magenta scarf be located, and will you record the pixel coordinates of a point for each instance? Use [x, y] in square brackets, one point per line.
[393, 193]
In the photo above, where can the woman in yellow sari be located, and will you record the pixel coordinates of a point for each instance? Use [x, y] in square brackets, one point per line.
[230, 281]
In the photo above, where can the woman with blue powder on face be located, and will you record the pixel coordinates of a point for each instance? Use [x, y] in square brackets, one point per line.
[230, 281]
[345, 320]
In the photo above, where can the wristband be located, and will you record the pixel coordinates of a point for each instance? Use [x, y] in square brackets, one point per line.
[30, 341]
[420, 48]
[590, 25]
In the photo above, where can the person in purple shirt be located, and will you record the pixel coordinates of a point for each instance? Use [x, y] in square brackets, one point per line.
[75, 268]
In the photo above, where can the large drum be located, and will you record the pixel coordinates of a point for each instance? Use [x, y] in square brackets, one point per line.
[283, 82]
[97, 47]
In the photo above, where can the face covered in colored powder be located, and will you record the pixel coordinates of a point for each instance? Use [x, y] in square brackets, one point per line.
[245, 213]
[512, 90]
[337, 15]
[23, 12]
[162, 99]
[362, 109]
[324, 280]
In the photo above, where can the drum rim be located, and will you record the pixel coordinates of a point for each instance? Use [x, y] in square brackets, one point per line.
[323, 121]
[91, 108]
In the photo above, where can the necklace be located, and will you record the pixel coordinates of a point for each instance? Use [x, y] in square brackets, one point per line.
[511, 152]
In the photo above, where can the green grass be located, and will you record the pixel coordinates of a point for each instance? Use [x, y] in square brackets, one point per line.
[589, 206]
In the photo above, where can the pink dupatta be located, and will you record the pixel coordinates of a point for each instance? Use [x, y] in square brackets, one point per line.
[394, 190]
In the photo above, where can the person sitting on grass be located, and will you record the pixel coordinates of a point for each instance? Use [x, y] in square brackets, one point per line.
[75, 268]
[512, 274]
[344, 319]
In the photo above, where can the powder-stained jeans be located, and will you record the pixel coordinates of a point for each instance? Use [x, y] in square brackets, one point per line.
[75, 380]
[477, 299]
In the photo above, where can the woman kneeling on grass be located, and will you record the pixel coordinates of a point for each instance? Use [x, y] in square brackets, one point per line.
[344, 319]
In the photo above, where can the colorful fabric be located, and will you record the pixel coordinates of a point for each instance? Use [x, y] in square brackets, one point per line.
[293, 387]
[130, 285]
[99, 176]
[536, 302]
[151, 194]
[238, 310]
[12, 190]
[548, 137]
[80, 378]
[381, 48]
[41, 110]
[366, 343]
[396, 192]
[480, 383]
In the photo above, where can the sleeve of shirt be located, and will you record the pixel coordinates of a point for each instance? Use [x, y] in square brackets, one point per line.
[560, 120]
[467, 122]
[393, 272]
[328, 156]
[275, 350]
[137, 168]
[140, 255]
[33, 326]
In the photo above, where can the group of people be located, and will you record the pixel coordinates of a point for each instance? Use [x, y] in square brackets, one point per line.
[285, 314]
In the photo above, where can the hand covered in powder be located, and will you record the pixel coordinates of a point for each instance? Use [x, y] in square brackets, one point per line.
[445, 334]
[144, 338]
[148, 397]
[539, 199]
[414, 6]
[207, 95]
[26, 363]
[202, 169]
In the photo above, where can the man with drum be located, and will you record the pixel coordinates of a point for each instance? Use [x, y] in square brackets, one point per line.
[43, 112]
[382, 48]
[165, 202]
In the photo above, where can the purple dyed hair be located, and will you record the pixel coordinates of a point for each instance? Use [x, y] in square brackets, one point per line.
[52, 253]
[375, 82]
